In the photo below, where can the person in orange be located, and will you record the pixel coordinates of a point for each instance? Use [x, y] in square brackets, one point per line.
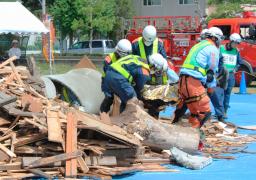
[196, 75]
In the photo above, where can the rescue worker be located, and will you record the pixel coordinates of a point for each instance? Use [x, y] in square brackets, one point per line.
[231, 60]
[160, 63]
[122, 49]
[217, 96]
[203, 35]
[147, 45]
[124, 78]
[198, 73]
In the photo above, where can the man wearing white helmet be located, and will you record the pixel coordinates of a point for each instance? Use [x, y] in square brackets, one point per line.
[196, 74]
[125, 77]
[231, 61]
[203, 34]
[147, 45]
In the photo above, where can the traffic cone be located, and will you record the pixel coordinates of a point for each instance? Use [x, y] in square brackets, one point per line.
[242, 89]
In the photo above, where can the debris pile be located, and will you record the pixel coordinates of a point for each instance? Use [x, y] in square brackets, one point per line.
[48, 138]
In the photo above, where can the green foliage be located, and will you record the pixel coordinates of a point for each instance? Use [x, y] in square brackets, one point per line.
[227, 8]
[95, 15]
[64, 13]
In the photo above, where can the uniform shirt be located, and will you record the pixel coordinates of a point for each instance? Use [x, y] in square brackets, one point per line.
[14, 52]
[139, 74]
[208, 58]
[148, 49]
[238, 62]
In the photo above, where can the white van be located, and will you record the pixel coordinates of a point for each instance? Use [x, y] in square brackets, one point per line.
[100, 46]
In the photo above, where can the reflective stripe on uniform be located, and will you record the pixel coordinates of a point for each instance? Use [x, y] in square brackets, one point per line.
[142, 47]
[118, 66]
[111, 58]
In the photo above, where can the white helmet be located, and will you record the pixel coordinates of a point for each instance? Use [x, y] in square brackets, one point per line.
[235, 38]
[216, 32]
[123, 47]
[158, 61]
[149, 35]
[204, 32]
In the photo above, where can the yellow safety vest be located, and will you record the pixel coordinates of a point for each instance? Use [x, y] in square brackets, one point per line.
[111, 58]
[144, 56]
[118, 66]
[191, 63]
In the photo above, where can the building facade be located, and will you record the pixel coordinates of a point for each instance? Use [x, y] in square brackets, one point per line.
[170, 7]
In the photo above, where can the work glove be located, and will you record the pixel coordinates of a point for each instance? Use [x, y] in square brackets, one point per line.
[222, 78]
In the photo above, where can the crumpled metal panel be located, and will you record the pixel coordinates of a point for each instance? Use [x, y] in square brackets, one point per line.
[50, 90]
[86, 85]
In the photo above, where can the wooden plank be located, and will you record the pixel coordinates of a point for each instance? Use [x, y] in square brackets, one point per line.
[11, 166]
[253, 127]
[71, 144]
[16, 74]
[57, 158]
[40, 173]
[116, 106]
[82, 165]
[104, 117]
[28, 160]
[29, 139]
[112, 131]
[7, 100]
[4, 121]
[8, 61]
[41, 127]
[101, 161]
[54, 127]
[4, 156]
[7, 151]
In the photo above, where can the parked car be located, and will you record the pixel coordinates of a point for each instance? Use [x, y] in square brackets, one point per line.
[98, 47]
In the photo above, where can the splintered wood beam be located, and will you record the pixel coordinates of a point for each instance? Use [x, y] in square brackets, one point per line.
[61, 157]
[54, 127]
[16, 74]
[71, 144]
[7, 151]
[8, 61]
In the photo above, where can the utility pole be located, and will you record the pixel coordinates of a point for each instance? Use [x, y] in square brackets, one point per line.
[43, 8]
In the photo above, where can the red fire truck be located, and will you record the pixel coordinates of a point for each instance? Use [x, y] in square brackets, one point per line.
[179, 33]
[245, 26]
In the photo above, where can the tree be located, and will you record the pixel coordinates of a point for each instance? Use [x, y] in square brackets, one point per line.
[64, 13]
[95, 16]
[228, 8]
[124, 11]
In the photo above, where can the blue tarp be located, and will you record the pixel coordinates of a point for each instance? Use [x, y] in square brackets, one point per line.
[242, 112]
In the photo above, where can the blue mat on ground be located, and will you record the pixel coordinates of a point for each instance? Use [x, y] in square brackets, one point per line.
[242, 112]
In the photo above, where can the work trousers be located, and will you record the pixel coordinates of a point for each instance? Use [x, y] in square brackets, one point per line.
[227, 92]
[217, 99]
[193, 96]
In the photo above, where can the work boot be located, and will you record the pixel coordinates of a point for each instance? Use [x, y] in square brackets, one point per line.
[221, 119]
[195, 123]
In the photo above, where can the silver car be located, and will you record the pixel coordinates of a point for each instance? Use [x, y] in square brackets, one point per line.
[98, 47]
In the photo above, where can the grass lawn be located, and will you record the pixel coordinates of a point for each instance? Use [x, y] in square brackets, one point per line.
[60, 67]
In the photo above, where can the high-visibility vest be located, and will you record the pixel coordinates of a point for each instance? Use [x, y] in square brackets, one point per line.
[229, 58]
[111, 58]
[191, 62]
[144, 56]
[142, 48]
[118, 65]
